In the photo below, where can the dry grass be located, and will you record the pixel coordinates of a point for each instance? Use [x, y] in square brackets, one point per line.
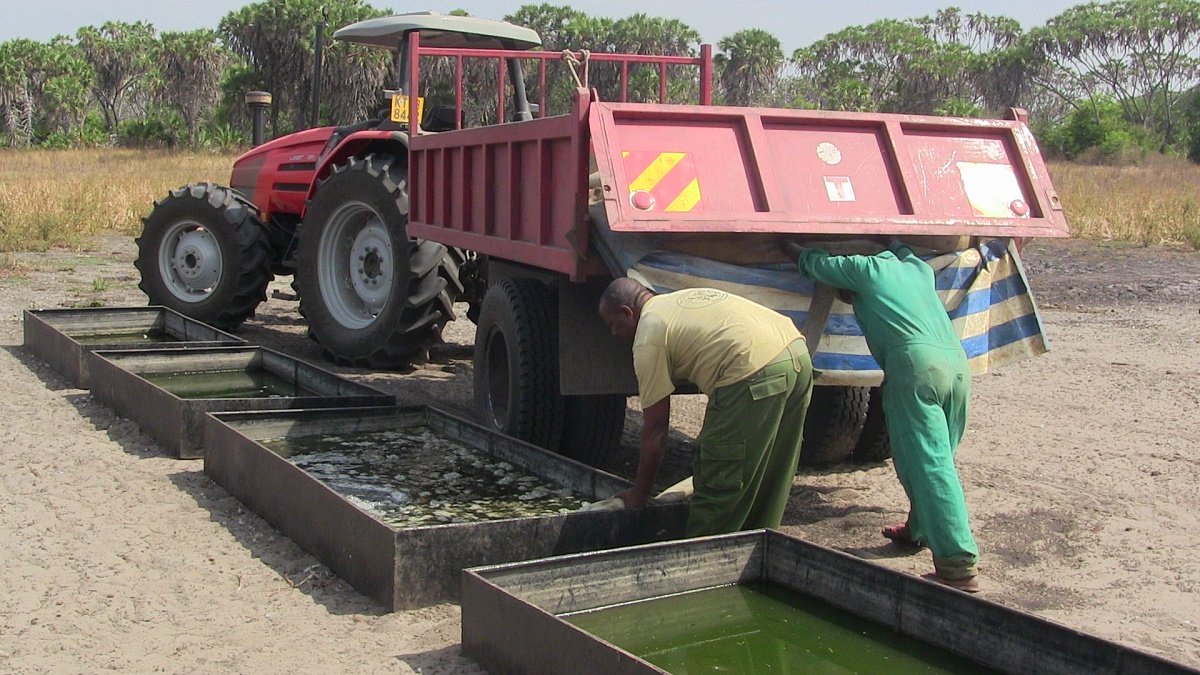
[54, 198]
[1155, 203]
[59, 197]
[12, 266]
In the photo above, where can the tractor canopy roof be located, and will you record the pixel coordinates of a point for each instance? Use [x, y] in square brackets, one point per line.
[439, 30]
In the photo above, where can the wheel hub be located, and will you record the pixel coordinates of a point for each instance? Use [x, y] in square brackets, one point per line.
[370, 266]
[355, 265]
[190, 261]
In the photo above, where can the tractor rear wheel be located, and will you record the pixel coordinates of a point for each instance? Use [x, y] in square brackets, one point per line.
[204, 253]
[516, 362]
[372, 297]
[833, 424]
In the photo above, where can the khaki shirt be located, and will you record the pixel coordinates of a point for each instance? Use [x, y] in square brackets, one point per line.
[705, 336]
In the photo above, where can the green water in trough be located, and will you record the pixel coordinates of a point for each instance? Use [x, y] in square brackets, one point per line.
[251, 383]
[412, 477]
[760, 628]
[153, 336]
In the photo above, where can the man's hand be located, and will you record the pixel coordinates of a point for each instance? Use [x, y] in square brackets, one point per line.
[793, 250]
[633, 498]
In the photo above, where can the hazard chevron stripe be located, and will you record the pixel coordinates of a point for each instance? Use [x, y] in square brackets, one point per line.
[678, 196]
[688, 199]
[657, 171]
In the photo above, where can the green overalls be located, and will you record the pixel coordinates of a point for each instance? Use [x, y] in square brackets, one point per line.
[926, 389]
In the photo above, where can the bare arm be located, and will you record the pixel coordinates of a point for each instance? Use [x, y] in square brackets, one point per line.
[655, 425]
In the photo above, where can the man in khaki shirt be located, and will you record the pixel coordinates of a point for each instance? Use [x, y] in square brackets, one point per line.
[753, 365]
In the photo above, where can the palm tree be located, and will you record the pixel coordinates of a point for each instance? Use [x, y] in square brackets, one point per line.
[749, 64]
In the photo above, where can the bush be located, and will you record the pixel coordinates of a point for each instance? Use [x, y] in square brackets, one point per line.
[220, 138]
[158, 129]
[958, 107]
[88, 136]
[1191, 117]
[1097, 133]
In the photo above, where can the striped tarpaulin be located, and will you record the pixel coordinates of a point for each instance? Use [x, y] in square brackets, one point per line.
[984, 289]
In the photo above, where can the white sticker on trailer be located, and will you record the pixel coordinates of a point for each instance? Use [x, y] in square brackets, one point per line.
[992, 189]
[839, 188]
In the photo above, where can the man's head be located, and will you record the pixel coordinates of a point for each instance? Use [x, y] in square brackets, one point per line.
[621, 306]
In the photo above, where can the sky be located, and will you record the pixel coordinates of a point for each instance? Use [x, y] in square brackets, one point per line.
[797, 23]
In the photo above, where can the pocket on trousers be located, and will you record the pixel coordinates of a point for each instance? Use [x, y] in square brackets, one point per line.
[768, 386]
[719, 466]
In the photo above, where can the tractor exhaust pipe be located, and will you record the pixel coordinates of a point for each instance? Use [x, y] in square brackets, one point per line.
[314, 118]
[258, 102]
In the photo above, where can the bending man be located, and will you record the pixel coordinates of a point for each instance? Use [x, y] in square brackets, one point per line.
[926, 390]
[753, 365]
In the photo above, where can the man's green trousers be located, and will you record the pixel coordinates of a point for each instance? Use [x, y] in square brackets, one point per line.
[749, 447]
[925, 398]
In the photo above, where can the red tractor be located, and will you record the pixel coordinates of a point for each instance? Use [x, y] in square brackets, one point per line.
[329, 206]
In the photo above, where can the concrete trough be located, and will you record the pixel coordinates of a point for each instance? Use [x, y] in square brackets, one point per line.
[121, 380]
[511, 614]
[409, 567]
[64, 337]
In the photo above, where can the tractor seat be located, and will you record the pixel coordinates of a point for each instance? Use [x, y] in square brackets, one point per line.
[439, 118]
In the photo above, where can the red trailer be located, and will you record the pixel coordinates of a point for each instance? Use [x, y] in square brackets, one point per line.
[526, 219]
[556, 207]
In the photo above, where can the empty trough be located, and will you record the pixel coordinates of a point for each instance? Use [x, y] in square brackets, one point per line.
[168, 392]
[64, 337]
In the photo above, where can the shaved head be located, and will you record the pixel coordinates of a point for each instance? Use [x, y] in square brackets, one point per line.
[624, 292]
[621, 306]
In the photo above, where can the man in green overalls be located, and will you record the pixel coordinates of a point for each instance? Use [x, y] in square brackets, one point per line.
[926, 391]
[752, 363]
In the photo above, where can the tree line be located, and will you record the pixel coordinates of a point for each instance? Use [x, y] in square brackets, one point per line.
[1101, 80]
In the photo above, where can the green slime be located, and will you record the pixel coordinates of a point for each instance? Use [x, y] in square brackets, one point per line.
[411, 477]
[253, 383]
[152, 336]
[760, 628]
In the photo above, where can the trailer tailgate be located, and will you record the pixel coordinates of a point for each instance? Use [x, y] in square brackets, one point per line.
[717, 169]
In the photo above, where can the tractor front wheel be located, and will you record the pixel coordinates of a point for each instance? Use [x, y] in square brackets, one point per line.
[372, 297]
[204, 253]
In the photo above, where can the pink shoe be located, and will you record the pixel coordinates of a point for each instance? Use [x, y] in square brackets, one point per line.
[901, 535]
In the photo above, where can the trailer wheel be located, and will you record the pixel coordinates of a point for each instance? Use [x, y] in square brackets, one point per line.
[372, 296]
[873, 443]
[516, 362]
[833, 424]
[592, 427]
[204, 253]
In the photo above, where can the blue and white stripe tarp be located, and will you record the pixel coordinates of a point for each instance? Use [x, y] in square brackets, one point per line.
[984, 289]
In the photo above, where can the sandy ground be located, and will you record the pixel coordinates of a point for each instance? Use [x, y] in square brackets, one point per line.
[1080, 470]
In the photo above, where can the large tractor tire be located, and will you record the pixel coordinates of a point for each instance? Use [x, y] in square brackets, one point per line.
[873, 444]
[204, 253]
[833, 424]
[516, 362]
[372, 297]
[592, 427]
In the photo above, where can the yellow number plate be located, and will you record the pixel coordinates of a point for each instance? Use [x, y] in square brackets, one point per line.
[400, 108]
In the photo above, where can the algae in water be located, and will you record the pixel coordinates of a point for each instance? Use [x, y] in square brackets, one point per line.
[761, 628]
[413, 478]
